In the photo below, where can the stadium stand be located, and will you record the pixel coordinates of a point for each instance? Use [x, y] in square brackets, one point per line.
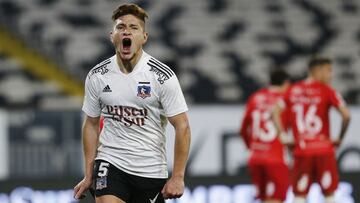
[19, 89]
[220, 49]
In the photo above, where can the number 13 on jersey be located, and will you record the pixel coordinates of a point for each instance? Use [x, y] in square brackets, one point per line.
[263, 128]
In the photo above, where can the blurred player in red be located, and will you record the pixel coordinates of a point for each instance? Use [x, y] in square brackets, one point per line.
[308, 103]
[101, 124]
[268, 169]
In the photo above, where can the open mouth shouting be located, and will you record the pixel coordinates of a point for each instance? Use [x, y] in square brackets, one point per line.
[126, 45]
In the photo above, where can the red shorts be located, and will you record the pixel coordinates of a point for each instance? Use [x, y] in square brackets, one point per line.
[317, 168]
[271, 180]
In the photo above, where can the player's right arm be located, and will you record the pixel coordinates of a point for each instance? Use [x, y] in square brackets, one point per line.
[90, 133]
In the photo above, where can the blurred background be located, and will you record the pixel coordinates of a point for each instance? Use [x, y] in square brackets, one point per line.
[221, 51]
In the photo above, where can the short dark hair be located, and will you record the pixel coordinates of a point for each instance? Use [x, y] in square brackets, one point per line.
[318, 61]
[132, 9]
[278, 77]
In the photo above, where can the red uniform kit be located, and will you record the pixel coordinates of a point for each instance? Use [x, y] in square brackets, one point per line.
[308, 103]
[101, 123]
[267, 166]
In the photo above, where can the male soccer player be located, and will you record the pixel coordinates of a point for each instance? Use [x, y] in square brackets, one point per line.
[136, 94]
[268, 169]
[308, 103]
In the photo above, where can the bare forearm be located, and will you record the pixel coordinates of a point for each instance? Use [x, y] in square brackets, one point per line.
[345, 114]
[90, 142]
[344, 127]
[276, 116]
[181, 151]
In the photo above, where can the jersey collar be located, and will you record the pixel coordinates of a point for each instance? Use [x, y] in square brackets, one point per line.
[139, 65]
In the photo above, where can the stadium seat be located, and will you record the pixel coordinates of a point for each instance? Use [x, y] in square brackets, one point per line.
[229, 45]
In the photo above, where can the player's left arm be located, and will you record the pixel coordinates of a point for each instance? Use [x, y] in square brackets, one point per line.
[345, 114]
[174, 188]
[276, 117]
[337, 101]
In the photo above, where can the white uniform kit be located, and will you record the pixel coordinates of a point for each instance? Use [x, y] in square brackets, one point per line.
[134, 107]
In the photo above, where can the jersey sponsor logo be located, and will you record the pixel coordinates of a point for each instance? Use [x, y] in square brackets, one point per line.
[160, 70]
[107, 89]
[313, 91]
[305, 99]
[127, 115]
[144, 90]
[101, 68]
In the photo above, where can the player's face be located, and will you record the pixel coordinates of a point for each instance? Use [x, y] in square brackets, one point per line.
[326, 73]
[128, 36]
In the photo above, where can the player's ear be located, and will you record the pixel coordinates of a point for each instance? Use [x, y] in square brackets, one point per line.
[146, 35]
[111, 36]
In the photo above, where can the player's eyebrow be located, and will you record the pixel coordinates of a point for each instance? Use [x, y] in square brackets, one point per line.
[122, 24]
[134, 25]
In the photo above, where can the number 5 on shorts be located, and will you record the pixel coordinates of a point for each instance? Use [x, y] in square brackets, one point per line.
[103, 169]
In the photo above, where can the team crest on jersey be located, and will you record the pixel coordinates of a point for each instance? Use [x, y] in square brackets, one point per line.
[144, 90]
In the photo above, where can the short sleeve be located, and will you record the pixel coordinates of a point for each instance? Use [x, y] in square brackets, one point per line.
[91, 105]
[172, 98]
[336, 99]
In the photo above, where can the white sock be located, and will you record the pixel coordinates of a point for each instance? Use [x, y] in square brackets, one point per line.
[299, 200]
[330, 199]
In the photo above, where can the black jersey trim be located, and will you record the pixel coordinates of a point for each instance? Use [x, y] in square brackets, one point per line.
[103, 62]
[162, 67]
[101, 67]
[157, 70]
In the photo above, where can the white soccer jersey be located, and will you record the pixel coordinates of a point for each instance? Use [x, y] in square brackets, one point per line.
[134, 107]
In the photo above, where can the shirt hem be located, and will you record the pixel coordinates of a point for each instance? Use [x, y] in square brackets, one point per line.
[129, 172]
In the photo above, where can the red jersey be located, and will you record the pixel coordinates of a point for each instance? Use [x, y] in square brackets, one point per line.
[308, 103]
[101, 123]
[258, 129]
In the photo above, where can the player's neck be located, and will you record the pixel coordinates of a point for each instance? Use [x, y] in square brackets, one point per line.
[279, 88]
[313, 78]
[275, 88]
[127, 66]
